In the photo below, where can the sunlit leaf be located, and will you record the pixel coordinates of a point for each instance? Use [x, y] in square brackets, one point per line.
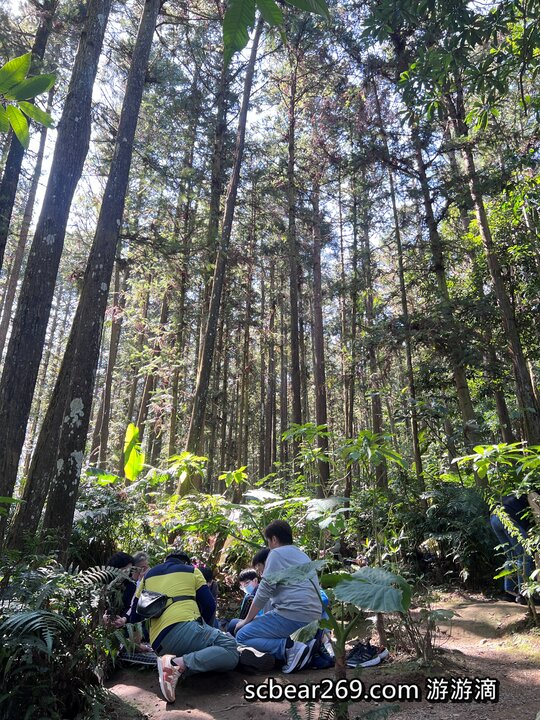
[239, 17]
[375, 589]
[133, 455]
[43, 118]
[19, 124]
[319, 7]
[270, 12]
[14, 72]
[28, 89]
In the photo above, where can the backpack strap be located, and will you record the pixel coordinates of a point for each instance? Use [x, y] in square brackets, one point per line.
[179, 598]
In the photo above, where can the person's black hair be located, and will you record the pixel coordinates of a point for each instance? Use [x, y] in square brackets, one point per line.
[260, 556]
[208, 573]
[119, 560]
[248, 574]
[179, 555]
[280, 529]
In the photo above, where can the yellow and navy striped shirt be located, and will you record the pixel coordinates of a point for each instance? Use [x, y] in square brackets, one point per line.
[176, 578]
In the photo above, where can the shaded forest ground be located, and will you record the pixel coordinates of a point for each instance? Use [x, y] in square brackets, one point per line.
[486, 639]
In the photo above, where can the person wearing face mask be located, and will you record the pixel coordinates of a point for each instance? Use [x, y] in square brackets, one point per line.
[249, 582]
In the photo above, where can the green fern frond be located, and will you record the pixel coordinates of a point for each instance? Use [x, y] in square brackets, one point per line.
[100, 575]
[379, 713]
[294, 713]
[45, 626]
[328, 712]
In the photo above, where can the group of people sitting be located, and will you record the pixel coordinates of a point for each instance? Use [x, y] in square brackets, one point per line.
[185, 637]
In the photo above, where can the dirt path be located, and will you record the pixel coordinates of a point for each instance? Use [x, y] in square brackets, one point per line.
[483, 641]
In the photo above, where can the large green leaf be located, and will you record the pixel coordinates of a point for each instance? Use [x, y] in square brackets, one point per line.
[19, 124]
[43, 118]
[376, 590]
[28, 89]
[4, 122]
[261, 494]
[133, 455]
[296, 573]
[318, 7]
[14, 72]
[330, 580]
[306, 633]
[270, 12]
[239, 17]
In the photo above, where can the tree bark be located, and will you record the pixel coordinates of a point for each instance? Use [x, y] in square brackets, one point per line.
[33, 309]
[525, 390]
[294, 326]
[11, 289]
[319, 370]
[456, 350]
[196, 428]
[12, 170]
[86, 333]
[118, 306]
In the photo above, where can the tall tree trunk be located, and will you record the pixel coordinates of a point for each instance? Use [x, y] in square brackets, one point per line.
[18, 258]
[283, 381]
[150, 380]
[12, 170]
[349, 429]
[456, 350]
[196, 428]
[294, 325]
[270, 399]
[465, 206]
[216, 191]
[375, 381]
[118, 305]
[33, 309]
[43, 464]
[524, 386]
[263, 378]
[219, 365]
[243, 420]
[319, 371]
[403, 297]
[92, 304]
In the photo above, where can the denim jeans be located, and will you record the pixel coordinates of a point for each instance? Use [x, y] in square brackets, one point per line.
[269, 633]
[202, 647]
[515, 556]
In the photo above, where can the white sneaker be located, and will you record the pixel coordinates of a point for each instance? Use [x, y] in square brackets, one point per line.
[296, 656]
[168, 677]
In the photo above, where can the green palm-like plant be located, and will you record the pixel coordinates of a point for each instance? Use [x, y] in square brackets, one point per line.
[15, 92]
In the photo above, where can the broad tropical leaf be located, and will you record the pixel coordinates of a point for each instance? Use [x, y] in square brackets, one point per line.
[28, 89]
[19, 124]
[36, 114]
[270, 12]
[296, 574]
[318, 7]
[14, 72]
[306, 633]
[133, 455]
[239, 17]
[376, 590]
[4, 122]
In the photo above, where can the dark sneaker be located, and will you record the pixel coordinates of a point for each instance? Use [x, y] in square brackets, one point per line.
[296, 656]
[143, 658]
[363, 655]
[312, 645]
[255, 660]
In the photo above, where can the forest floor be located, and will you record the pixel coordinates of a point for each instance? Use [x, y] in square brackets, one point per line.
[486, 639]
